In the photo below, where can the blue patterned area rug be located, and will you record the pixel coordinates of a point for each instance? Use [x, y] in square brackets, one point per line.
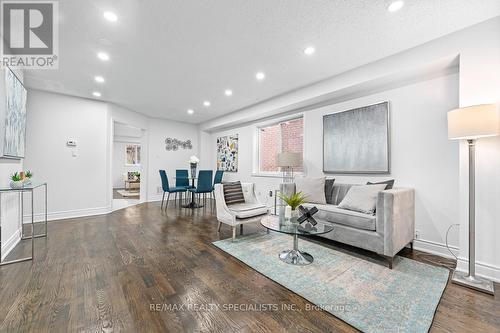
[365, 294]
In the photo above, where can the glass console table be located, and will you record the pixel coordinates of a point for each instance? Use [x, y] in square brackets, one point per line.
[31, 189]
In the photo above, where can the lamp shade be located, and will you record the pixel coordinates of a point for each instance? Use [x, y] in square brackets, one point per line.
[289, 159]
[474, 122]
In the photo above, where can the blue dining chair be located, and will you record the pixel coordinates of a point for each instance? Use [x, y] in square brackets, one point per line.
[182, 179]
[168, 189]
[204, 185]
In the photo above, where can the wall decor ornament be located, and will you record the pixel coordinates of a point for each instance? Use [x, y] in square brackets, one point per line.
[227, 153]
[357, 141]
[174, 144]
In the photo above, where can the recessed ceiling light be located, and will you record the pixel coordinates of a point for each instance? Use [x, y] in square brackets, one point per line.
[96, 94]
[190, 111]
[110, 16]
[309, 50]
[260, 76]
[395, 6]
[103, 56]
[228, 92]
[99, 79]
[206, 103]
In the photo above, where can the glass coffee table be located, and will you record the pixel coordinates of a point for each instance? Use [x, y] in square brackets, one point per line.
[290, 226]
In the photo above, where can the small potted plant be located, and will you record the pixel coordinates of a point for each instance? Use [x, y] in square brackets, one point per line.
[193, 163]
[28, 175]
[16, 181]
[293, 201]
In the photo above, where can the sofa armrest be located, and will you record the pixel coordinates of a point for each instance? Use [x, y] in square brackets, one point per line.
[396, 218]
[224, 214]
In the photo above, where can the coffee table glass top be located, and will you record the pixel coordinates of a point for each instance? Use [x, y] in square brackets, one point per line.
[290, 226]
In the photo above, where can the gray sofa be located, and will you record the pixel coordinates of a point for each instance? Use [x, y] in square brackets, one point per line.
[389, 230]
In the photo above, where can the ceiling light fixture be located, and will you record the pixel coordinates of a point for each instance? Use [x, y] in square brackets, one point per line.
[190, 111]
[99, 79]
[206, 103]
[96, 94]
[395, 6]
[110, 16]
[260, 76]
[228, 92]
[103, 56]
[309, 50]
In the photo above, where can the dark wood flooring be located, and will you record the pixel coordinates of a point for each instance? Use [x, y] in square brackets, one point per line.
[108, 273]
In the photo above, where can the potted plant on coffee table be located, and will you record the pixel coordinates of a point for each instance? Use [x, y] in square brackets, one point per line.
[293, 201]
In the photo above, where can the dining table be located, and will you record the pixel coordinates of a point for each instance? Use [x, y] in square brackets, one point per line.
[193, 203]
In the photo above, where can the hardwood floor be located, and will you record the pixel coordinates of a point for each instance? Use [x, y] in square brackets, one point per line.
[114, 273]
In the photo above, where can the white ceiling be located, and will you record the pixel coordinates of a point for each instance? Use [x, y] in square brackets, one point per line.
[169, 56]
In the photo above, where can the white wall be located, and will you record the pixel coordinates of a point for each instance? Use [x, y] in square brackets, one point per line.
[9, 204]
[160, 158]
[76, 177]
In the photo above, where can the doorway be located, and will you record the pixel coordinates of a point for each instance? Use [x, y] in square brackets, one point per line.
[126, 168]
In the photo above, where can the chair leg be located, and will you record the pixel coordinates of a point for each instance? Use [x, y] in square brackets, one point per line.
[168, 199]
[390, 260]
[218, 228]
[175, 199]
[162, 199]
[234, 232]
[411, 246]
[241, 229]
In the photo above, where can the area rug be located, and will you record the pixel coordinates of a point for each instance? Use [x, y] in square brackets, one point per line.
[363, 293]
[127, 193]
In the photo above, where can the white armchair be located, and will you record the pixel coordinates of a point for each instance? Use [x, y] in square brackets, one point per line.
[240, 213]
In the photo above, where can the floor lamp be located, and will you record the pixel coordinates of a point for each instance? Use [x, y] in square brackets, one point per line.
[471, 123]
[287, 161]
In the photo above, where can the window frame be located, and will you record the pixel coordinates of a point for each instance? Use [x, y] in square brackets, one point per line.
[258, 171]
[127, 145]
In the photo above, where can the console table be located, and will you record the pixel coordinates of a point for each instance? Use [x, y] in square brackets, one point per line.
[31, 189]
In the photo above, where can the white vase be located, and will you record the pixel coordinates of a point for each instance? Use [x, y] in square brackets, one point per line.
[16, 184]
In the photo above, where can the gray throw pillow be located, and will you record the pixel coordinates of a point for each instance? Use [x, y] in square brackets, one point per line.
[329, 190]
[389, 183]
[362, 198]
[312, 188]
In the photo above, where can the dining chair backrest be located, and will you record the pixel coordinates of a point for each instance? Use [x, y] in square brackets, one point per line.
[181, 178]
[218, 177]
[204, 181]
[164, 181]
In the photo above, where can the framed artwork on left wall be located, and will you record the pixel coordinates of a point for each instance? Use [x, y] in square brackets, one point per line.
[13, 117]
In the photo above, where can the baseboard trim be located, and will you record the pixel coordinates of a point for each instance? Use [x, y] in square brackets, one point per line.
[69, 214]
[487, 271]
[435, 248]
[10, 244]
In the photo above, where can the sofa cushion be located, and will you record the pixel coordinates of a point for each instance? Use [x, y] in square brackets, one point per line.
[339, 191]
[312, 188]
[346, 217]
[246, 210]
[362, 198]
[329, 190]
[233, 193]
[389, 183]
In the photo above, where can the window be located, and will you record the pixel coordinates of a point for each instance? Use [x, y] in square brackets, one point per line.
[285, 136]
[133, 153]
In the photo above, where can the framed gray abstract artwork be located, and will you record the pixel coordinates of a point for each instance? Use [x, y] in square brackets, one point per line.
[14, 120]
[357, 140]
[227, 153]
